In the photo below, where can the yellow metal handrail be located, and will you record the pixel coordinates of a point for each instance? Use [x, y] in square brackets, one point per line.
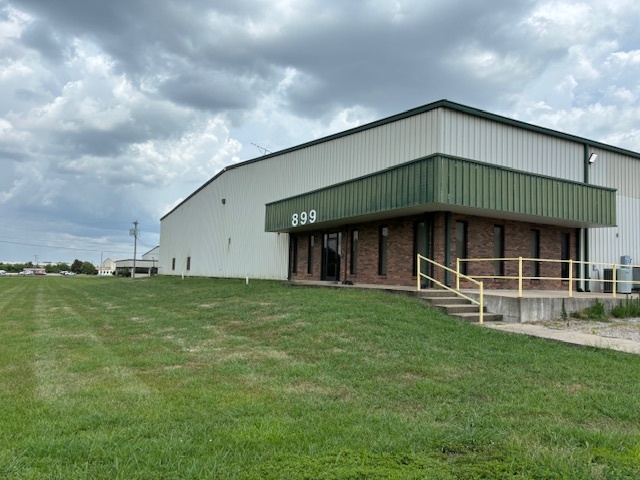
[457, 291]
[521, 277]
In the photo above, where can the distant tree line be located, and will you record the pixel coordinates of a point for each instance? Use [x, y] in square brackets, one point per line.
[77, 266]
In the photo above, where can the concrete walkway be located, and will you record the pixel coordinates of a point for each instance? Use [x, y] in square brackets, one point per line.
[566, 336]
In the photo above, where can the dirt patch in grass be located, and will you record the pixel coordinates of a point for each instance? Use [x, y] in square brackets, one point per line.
[628, 328]
[336, 393]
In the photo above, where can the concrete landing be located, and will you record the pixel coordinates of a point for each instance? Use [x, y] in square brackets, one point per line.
[566, 336]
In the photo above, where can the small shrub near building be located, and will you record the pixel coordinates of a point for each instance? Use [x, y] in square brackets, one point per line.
[630, 308]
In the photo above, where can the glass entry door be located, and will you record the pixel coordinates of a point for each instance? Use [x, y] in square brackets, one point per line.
[331, 256]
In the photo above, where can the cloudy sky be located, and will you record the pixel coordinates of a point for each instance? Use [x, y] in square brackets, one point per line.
[115, 111]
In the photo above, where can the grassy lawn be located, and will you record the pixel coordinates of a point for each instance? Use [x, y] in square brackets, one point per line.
[164, 378]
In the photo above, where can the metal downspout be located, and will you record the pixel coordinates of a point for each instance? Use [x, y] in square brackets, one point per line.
[579, 266]
[289, 257]
[585, 236]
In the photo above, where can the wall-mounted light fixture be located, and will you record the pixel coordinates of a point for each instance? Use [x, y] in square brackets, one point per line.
[224, 200]
[593, 157]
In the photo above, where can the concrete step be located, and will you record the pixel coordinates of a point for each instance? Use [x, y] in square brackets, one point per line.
[456, 309]
[457, 306]
[435, 293]
[475, 317]
[446, 300]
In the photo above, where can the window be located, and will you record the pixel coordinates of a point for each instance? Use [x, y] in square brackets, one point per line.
[535, 252]
[382, 250]
[419, 244]
[353, 266]
[565, 239]
[498, 250]
[294, 248]
[462, 245]
[310, 254]
[173, 263]
[188, 263]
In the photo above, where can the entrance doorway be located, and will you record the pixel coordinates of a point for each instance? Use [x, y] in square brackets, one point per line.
[331, 256]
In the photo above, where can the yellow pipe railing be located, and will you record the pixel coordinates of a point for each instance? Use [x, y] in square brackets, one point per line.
[520, 277]
[479, 302]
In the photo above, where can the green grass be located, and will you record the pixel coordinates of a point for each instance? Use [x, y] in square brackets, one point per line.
[165, 378]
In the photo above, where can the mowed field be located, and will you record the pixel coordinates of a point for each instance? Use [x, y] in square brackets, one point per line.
[108, 378]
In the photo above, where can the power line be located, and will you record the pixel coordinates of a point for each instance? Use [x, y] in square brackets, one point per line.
[146, 244]
[76, 240]
[62, 248]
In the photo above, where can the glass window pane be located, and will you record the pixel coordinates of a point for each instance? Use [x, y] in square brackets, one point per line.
[354, 252]
[498, 250]
[461, 244]
[419, 243]
[382, 252]
[535, 252]
[310, 254]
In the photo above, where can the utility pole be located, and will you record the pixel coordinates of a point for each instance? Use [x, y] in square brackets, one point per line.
[134, 233]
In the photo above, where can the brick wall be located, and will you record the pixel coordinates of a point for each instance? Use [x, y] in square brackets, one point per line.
[400, 248]
[517, 244]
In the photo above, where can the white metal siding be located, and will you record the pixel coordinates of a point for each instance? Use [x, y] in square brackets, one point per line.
[608, 244]
[489, 141]
[229, 240]
[619, 171]
[622, 172]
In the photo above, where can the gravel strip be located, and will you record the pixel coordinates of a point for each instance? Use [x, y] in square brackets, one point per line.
[627, 328]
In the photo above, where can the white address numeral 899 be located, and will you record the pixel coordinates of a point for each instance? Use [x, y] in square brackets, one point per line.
[303, 218]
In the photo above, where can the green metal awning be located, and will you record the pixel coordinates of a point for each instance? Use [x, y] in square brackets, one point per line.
[445, 183]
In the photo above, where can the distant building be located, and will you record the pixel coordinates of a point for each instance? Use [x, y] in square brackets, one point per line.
[153, 254]
[108, 267]
[147, 265]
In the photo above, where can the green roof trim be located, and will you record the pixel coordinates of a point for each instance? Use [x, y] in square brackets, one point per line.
[442, 182]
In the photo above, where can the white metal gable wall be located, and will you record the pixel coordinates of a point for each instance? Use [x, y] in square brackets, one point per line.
[228, 240]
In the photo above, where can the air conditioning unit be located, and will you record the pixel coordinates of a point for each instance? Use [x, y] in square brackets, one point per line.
[636, 278]
[607, 285]
[625, 275]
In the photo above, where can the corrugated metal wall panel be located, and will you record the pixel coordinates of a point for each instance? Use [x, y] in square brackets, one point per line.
[616, 171]
[491, 142]
[348, 157]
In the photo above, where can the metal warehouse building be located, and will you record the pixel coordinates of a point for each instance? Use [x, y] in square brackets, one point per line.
[443, 180]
